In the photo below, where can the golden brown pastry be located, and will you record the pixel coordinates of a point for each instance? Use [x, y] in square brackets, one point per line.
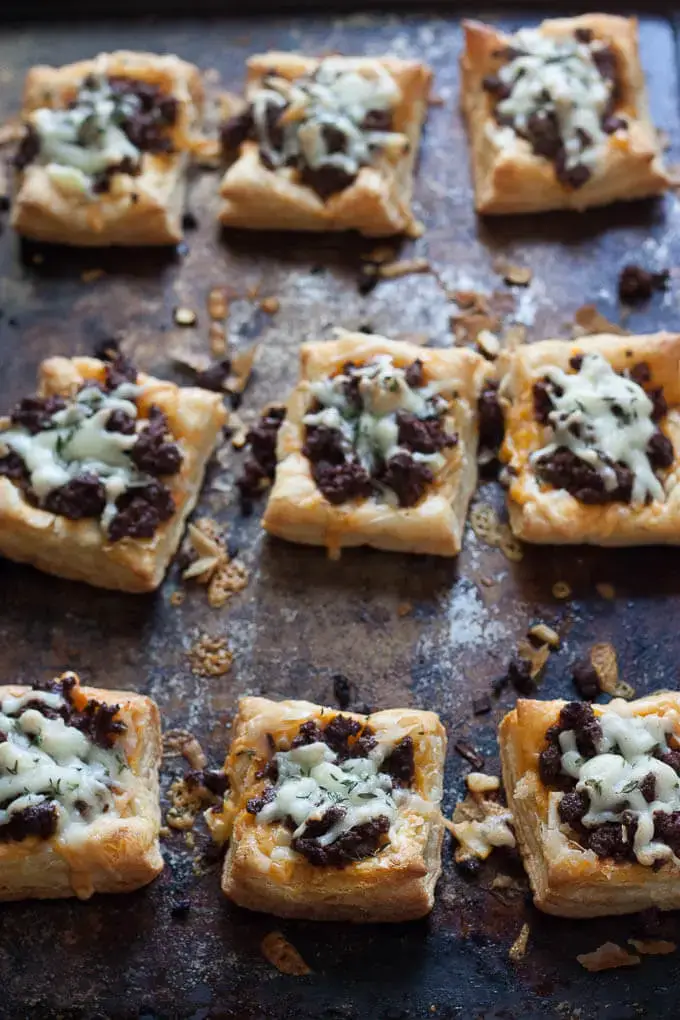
[333, 816]
[326, 144]
[99, 472]
[592, 439]
[595, 795]
[593, 146]
[106, 148]
[380, 454]
[79, 790]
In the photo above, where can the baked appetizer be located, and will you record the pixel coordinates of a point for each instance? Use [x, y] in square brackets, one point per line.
[79, 808]
[99, 471]
[595, 795]
[378, 446]
[105, 150]
[333, 816]
[592, 440]
[326, 144]
[557, 116]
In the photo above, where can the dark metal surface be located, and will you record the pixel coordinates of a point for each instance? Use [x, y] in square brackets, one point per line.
[303, 618]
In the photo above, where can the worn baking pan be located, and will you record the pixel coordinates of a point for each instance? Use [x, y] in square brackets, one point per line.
[403, 630]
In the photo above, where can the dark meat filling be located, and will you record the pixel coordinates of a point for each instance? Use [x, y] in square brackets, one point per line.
[339, 474]
[360, 842]
[491, 419]
[564, 470]
[39, 820]
[325, 179]
[609, 839]
[141, 510]
[542, 129]
[400, 762]
[260, 467]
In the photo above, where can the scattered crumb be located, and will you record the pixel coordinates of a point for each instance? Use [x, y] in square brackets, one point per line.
[536, 656]
[217, 335]
[480, 782]
[185, 804]
[561, 590]
[242, 363]
[181, 743]
[544, 634]
[415, 229]
[518, 949]
[436, 101]
[270, 305]
[210, 656]
[383, 253]
[190, 840]
[588, 320]
[514, 337]
[90, 275]
[213, 566]
[392, 270]
[227, 580]
[479, 824]
[281, 954]
[177, 598]
[604, 662]
[487, 527]
[404, 608]
[239, 431]
[218, 304]
[653, 947]
[607, 957]
[514, 275]
[185, 316]
[253, 291]
[605, 590]
[488, 343]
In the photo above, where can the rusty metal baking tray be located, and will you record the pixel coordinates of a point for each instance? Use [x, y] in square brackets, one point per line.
[412, 630]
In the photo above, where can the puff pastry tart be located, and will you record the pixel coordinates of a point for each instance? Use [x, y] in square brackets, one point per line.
[333, 816]
[99, 471]
[106, 147]
[378, 446]
[326, 144]
[79, 808]
[592, 440]
[557, 116]
[595, 795]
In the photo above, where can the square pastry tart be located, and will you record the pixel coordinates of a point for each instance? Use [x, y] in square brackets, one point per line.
[595, 795]
[326, 144]
[79, 800]
[99, 471]
[378, 446]
[592, 440]
[106, 148]
[333, 816]
[557, 116]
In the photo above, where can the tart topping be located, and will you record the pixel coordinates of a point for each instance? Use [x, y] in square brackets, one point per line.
[59, 768]
[103, 131]
[336, 790]
[606, 445]
[560, 95]
[376, 429]
[92, 456]
[327, 124]
[621, 780]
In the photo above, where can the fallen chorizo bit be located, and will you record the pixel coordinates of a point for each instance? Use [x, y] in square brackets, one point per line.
[653, 947]
[518, 949]
[210, 656]
[281, 954]
[607, 957]
[479, 823]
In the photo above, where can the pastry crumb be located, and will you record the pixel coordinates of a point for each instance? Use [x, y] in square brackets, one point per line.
[607, 957]
[218, 304]
[228, 579]
[514, 275]
[518, 949]
[185, 317]
[488, 343]
[544, 634]
[182, 743]
[217, 336]
[210, 656]
[588, 320]
[561, 590]
[270, 305]
[393, 270]
[177, 598]
[480, 782]
[489, 529]
[604, 662]
[653, 947]
[479, 824]
[283, 955]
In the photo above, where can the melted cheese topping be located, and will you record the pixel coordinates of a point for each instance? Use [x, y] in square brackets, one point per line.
[561, 77]
[612, 778]
[310, 781]
[78, 442]
[333, 97]
[45, 761]
[612, 418]
[86, 138]
[373, 432]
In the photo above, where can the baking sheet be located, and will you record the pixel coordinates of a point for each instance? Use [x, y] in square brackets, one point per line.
[303, 619]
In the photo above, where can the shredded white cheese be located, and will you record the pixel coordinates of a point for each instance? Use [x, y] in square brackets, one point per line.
[86, 137]
[335, 98]
[45, 761]
[612, 778]
[558, 76]
[373, 432]
[603, 418]
[311, 780]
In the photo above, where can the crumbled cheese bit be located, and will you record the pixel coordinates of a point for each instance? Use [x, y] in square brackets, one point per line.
[603, 418]
[480, 782]
[607, 957]
[185, 316]
[283, 955]
[210, 656]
